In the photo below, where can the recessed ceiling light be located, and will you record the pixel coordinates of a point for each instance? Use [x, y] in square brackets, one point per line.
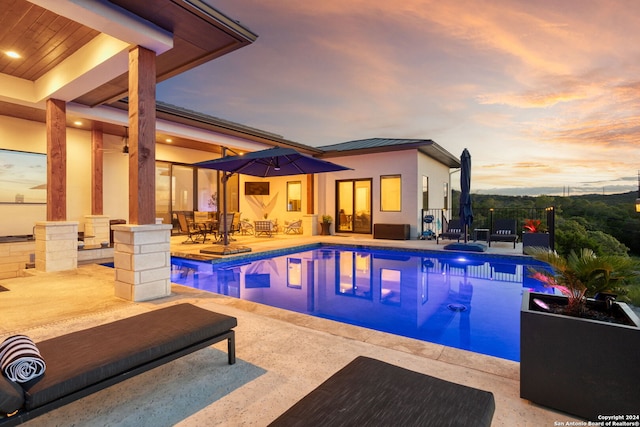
[77, 123]
[12, 54]
[168, 140]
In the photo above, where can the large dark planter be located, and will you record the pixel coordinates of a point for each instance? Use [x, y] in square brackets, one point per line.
[540, 240]
[325, 228]
[579, 366]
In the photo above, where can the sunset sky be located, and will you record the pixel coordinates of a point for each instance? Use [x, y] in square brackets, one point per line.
[545, 94]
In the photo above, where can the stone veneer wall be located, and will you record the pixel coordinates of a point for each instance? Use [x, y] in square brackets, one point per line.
[96, 229]
[142, 261]
[14, 256]
[56, 245]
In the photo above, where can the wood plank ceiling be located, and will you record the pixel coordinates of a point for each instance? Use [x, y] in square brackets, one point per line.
[45, 39]
[42, 38]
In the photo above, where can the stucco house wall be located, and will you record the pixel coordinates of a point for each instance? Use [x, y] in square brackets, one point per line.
[410, 164]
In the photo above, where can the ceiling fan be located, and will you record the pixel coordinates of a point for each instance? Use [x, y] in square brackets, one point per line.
[125, 145]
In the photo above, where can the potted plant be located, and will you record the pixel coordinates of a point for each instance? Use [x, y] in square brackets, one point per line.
[573, 357]
[326, 225]
[534, 235]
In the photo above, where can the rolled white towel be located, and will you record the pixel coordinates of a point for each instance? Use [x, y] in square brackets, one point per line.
[20, 359]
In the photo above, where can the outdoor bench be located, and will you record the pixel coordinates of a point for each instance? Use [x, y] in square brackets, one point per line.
[391, 231]
[83, 362]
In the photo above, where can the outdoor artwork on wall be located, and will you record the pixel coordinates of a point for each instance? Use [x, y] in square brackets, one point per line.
[23, 177]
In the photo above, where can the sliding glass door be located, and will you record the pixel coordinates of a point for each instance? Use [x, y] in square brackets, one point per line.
[353, 201]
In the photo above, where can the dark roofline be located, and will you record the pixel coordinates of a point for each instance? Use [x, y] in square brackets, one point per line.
[426, 146]
[195, 119]
[213, 15]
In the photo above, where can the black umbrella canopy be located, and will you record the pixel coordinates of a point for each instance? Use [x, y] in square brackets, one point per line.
[466, 212]
[275, 161]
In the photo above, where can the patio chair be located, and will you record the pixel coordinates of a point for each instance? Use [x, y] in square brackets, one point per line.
[294, 227]
[190, 229]
[453, 230]
[246, 227]
[262, 227]
[504, 230]
[235, 227]
[219, 233]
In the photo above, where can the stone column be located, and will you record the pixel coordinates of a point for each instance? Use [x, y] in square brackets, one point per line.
[96, 229]
[56, 245]
[142, 261]
[310, 225]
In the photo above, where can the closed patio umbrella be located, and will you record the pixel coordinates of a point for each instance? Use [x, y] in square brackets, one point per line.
[466, 212]
[275, 161]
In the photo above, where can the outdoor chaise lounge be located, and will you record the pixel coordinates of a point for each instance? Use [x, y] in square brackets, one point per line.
[83, 362]
[453, 231]
[371, 392]
[504, 230]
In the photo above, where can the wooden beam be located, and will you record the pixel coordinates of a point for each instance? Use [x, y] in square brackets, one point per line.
[97, 169]
[310, 194]
[142, 136]
[56, 160]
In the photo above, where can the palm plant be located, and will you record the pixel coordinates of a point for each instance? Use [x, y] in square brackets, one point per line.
[583, 274]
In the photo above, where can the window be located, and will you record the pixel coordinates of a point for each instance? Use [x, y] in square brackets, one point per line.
[182, 181]
[163, 191]
[391, 193]
[26, 177]
[207, 190]
[425, 192]
[294, 196]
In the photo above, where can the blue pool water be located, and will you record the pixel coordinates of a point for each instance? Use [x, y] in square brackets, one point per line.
[467, 301]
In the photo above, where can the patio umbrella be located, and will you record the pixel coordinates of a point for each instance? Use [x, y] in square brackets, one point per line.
[466, 213]
[275, 161]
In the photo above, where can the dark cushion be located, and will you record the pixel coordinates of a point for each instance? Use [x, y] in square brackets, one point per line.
[370, 392]
[83, 358]
[11, 396]
[21, 361]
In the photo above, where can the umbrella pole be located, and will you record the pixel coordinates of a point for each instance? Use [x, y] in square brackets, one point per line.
[225, 178]
[225, 235]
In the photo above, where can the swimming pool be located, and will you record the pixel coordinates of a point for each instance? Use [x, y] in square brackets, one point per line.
[467, 301]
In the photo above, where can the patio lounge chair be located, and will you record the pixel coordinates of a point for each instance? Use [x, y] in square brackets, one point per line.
[191, 229]
[83, 362]
[504, 230]
[371, 392]
[294, 227]
[453, 230]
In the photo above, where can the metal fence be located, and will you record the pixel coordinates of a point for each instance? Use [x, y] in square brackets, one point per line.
[435, 220]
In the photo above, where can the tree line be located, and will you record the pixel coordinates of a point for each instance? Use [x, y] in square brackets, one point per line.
[607, 224]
